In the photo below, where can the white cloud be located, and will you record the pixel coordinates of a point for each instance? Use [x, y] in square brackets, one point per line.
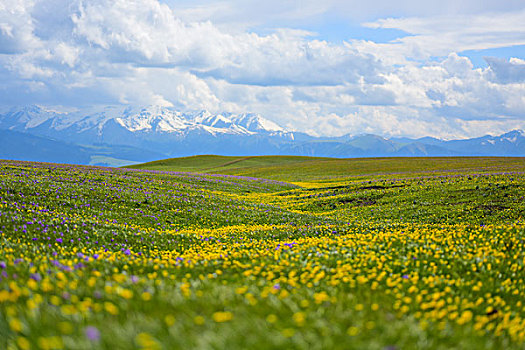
[502, 71]
[186, 55]
[148, 34]
[16, 26]
[247, 14]
[67, 54]
[438, 36]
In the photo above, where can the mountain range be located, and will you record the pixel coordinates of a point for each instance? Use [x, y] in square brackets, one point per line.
[121, 135]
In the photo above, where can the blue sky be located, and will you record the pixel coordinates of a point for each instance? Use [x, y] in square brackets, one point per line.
[338, 30]
[443, 68]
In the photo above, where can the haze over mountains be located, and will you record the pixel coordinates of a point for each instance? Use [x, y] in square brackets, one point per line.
[120, 135]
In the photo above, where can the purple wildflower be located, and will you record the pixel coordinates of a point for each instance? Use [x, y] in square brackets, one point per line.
[92, 333]
[36, 276]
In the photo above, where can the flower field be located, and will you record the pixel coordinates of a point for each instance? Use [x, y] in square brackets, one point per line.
[107, 258]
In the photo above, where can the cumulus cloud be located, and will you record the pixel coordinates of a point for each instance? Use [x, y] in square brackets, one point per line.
[185, 54]
[147, 33]
[16, 26]
[506, 72]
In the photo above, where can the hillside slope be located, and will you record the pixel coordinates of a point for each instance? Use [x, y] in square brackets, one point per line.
[297, 169]
[214, 164]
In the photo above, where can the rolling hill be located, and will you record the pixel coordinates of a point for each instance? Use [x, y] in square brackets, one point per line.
[300, 169]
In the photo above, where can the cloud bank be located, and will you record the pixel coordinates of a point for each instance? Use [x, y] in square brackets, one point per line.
[195, 56]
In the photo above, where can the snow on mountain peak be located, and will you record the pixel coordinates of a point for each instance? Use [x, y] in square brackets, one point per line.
[32, 116]
[154, 118]
[217, 121]
[512, 136]
[254, 122]
[143, 119]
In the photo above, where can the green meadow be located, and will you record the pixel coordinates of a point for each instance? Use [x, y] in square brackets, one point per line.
[302, 169]
[272, 252]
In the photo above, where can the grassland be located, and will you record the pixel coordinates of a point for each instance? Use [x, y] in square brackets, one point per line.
[224, 164]
[304, 169]
[264, 252]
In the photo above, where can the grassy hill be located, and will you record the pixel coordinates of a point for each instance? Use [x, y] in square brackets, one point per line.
[213, 164]
[385, 253]
[315, 169]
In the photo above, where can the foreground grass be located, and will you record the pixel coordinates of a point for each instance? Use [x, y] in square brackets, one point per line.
[418, 258]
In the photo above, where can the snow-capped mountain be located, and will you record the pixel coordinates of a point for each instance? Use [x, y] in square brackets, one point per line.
[153, 128]
[151, 119]
[119, 135]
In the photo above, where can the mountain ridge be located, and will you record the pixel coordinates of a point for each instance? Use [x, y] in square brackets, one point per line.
[154, 132]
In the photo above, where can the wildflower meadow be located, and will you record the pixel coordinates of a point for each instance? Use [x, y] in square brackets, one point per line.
[385, 254]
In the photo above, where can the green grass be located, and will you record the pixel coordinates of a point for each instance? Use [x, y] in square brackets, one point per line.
[222, 164]
[297, 169]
